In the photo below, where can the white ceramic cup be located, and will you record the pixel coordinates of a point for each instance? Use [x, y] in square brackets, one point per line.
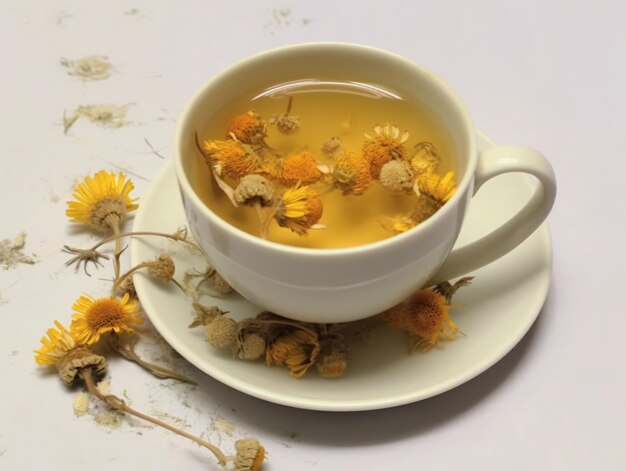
[340, 285]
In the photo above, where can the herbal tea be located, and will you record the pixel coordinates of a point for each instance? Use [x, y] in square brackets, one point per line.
[323, 164]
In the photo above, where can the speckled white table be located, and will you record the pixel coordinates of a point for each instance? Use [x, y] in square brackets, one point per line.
[546, 74]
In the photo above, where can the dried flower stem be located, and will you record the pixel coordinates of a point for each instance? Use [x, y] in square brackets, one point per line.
[120, 279]
[277, 322]
[114, 222]
[147, 233]
[118, 404]
[129, 353]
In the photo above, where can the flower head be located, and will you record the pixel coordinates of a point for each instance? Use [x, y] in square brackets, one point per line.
[333, 357]
[94, 317]
[231, 158]
[438, 188]
[386, 144]
[397, 176]
[298, 350]
[300, 168]
[248, 128]
[425, 316]
[250, 455]
[299, 209]
[254, 189]
[162, 268]
[221, 331]
[352, 174]
[56, 345]
[101, 201]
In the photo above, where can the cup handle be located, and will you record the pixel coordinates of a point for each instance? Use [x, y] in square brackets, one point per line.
[493, 162]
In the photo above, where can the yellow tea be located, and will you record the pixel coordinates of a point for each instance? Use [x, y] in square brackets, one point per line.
[339, 164]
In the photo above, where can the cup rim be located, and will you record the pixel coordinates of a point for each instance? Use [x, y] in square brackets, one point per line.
[462, 186]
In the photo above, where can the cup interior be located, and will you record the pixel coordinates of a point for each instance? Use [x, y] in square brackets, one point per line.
[326, 61]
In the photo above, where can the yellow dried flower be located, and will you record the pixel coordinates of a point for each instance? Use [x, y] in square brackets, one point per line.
[425, 316]
[352, 174]
[397, 176]
[56, 345]
[221, 332]
[254, 189]
[101, 201]
[438, 188]
[248, 128]
[250, 455]
[231, 158]
[94, 317]
[299, 209]
[298, 350]
[385, 145]
[300, 168]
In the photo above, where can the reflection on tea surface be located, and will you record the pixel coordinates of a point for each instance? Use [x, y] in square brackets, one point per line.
[340, 164]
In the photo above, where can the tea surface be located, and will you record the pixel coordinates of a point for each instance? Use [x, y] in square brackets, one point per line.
[324, 110]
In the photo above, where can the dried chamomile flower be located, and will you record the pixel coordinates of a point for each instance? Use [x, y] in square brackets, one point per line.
[331, 146]
[250, 455]
[248, 128]
[94, 317]
[128, 287]
[81, 358]
[221, 332]
[101, 202]
[351, 174]
[250, 345]
[397, 176]
[299, 209]
[220, 284]
[333, 358]
[425, 317]
[298, 350]
[254, 189]
[58, 343]
[286, 123]
[425, 159]
[386, 144]
[300, 168]
[230, 158]
[163, 268]
[434, 192]
[205, 314]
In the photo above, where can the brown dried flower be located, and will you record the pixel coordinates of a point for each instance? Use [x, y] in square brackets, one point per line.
[254, 189]
[397, 176]
[163, 268]
[250, 346]
[250, 455]
[205, 314]
[221, 332]
[333, 357]
[331, 145]
[70, 365]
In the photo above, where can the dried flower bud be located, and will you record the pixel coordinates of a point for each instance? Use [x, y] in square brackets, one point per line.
[221, 332]
[250, 347]
[128, 287]
[333, 358]
[220, 284]
[163, 268]
[253, 189]
[285, 123]
[205, 314]
[385, 145]
[331, 145]
[397, 176]
[250, 455]
[77, 359]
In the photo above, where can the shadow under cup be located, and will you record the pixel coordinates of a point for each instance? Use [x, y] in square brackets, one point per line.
[326, 285]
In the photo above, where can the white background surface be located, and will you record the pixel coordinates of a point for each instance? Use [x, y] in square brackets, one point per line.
[548, 74]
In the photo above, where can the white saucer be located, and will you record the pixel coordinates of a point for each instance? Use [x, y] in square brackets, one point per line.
[500, 306]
